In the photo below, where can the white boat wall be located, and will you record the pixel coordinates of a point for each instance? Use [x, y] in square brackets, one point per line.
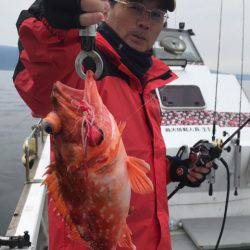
[195, 217]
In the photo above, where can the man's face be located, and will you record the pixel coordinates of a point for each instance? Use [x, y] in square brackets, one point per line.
[139, 32]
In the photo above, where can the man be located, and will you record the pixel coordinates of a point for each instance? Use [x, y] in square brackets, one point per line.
[49, 44]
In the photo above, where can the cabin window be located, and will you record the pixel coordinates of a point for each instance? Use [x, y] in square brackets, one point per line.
[181, 97]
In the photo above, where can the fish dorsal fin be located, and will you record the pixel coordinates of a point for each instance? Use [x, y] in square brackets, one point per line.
[126, 240]
[137, 170]
[53, 190]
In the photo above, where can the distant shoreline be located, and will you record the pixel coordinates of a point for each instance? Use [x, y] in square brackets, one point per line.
[9, 58]
[246, 77]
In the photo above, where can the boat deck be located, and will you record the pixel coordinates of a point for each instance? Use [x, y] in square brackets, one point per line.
[202, 233]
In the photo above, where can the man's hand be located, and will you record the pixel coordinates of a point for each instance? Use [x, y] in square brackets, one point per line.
[198, 174]
[94, 11]
[187, 172]
[70, 14]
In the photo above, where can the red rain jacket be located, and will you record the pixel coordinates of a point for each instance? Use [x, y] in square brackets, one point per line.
[48, 55]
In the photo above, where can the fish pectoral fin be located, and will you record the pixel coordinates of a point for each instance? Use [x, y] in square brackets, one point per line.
[121, 126]
[126, 240]
[137, 170]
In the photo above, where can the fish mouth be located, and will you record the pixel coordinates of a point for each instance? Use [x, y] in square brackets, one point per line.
[71, 97]
[67, 93]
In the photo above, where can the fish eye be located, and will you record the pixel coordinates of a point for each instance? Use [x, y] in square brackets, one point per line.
[47, 127]
[52, 123]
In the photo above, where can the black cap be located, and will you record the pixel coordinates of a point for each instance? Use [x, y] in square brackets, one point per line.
[170, 5]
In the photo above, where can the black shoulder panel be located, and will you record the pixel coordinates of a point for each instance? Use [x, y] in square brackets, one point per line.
[164, 76]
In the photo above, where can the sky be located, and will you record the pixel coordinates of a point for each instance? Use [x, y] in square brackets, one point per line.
[200, 15]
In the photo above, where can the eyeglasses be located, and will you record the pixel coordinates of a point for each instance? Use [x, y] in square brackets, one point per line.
[139, 10]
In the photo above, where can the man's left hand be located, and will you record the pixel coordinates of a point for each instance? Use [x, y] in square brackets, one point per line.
[188, 173]
[198, 174]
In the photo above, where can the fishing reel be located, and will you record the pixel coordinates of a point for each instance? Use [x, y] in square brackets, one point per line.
[204, 152]
[200, 154]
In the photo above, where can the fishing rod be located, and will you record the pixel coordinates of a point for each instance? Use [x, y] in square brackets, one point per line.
[237, 145]
[211, 179]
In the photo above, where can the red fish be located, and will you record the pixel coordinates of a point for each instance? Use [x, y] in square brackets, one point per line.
[92, 176]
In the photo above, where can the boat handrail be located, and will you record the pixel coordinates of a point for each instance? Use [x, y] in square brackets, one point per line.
[31, 149]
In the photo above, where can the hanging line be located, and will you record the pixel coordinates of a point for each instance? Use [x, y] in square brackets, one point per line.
[217, 74]
[242, 67]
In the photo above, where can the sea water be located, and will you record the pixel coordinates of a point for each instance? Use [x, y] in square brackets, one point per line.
[15, 126]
